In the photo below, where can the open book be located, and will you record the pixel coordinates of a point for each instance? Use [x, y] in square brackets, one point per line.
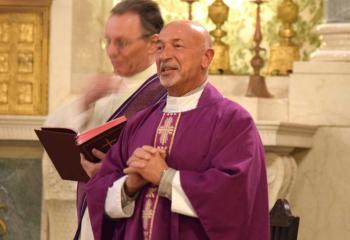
[64, 145]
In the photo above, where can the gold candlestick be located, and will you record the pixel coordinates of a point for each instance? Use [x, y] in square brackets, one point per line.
[257, 86]
[190, 2]
[218, 13]
[286, 52]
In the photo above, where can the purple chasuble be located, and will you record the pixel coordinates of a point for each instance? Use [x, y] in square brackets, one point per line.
[219, 154]
[149, 93]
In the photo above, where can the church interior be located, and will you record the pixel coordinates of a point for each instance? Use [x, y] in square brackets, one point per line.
[286, 61]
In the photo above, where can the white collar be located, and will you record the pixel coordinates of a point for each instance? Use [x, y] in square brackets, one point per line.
[184, 103]
[142, 76]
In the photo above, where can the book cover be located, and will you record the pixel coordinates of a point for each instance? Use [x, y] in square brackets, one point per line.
[64, 145]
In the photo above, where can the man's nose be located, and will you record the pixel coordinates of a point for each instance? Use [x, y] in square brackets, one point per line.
[166, 53]
[112, 50]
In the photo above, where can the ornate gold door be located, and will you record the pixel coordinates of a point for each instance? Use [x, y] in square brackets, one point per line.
[23, 60]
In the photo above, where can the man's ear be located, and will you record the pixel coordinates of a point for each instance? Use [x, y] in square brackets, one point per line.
[153, 44]
[207, 58]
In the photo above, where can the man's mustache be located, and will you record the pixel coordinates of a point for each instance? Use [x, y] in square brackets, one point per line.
[164, 66]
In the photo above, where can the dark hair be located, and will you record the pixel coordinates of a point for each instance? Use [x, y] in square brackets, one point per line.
[148, 10]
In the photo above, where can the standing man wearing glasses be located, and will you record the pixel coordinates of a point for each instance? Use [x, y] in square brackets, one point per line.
[130, 45]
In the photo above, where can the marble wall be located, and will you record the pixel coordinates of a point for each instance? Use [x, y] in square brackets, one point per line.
[337, 11]
[20, 191]
[319, 95]
[322, 189]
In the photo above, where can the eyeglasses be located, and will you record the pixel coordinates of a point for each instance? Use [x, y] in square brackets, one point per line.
[122, 44]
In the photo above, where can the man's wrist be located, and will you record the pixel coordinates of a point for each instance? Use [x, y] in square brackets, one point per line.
[165, 185]
[125, 198]
[129, 191]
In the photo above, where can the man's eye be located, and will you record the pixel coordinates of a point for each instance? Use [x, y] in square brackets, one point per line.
[178, 46]
[159, 47]
[121, 43]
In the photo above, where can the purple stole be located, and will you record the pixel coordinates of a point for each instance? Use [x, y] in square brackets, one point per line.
[149, 93]
[163, 139]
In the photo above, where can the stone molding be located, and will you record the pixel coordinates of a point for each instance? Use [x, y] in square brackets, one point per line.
[336, 43]
[284, 137]
[19, 127]
[280, 139]
[17, 137]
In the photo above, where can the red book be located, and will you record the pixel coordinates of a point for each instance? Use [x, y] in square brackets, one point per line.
[64, 145]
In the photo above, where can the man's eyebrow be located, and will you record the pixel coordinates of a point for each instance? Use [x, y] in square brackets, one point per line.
[177, 40]
[173, 41]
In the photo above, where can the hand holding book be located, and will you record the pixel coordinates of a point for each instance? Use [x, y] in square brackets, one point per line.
[64, 146]
[92, 168]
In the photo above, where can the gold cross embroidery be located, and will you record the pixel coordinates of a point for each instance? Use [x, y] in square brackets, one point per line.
[147, 214]
[166, 130]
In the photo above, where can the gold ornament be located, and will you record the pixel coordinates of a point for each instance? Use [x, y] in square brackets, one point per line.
[218, 13]
[285, 52]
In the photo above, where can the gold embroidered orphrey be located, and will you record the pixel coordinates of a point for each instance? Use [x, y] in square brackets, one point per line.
[166, 129]
[148, 212]
[24, 58]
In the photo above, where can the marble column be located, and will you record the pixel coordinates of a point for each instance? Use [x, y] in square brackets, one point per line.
[337, 11]
[335, 32]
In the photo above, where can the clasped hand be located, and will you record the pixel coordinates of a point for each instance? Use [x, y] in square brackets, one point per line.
[145, 165]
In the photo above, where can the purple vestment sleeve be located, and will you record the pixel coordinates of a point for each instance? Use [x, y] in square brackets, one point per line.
[226, 196]
[97, 188]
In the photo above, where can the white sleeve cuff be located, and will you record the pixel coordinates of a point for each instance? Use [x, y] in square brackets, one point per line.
[113, 204]
[179, 201]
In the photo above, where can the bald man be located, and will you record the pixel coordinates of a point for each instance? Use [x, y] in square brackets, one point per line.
[193, 165]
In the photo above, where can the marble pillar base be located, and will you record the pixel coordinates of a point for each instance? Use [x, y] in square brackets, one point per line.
[336, 43]
[319, 93]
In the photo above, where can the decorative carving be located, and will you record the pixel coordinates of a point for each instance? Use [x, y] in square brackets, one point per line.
[218, 13]
[25, 93]
[25, 62]
[23, 43]
[281, 175]
[4, 32]
[3, 226]
[4, 62]
[3, 93]
[26, 32]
